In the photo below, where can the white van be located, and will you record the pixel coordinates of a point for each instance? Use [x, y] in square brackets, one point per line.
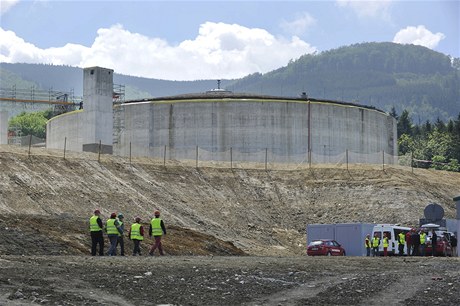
[392, 231]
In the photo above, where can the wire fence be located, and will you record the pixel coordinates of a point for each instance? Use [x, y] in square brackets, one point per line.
[25, 141]
[200, 157]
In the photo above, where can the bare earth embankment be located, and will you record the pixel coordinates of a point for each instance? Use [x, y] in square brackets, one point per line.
[236, 236]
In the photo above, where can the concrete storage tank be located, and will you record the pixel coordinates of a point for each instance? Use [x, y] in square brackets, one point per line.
[223, 126]
[252, 126]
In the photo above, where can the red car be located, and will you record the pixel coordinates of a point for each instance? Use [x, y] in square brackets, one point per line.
[325, 247]
[443, 247]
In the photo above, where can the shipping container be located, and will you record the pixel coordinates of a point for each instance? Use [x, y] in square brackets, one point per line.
[350, 235]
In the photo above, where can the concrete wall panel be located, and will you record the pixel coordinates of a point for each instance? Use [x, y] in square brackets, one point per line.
[65, 128]
[250, 126]
[3, 127]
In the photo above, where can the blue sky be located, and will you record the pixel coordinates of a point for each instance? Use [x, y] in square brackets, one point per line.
[189, 40]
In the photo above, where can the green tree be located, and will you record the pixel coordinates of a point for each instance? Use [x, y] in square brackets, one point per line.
[427, 128]
[31, 123]
[439, 162]
[450, 127]
[405, 144]
[440, 126]
[438, 144]
[453, 165]
[393, 113]
[404, 124]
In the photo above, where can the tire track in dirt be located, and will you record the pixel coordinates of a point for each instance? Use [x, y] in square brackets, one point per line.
[300, 294]
[401, 290]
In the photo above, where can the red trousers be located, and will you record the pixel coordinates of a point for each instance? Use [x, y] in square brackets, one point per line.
[156, 245]
[385, 253]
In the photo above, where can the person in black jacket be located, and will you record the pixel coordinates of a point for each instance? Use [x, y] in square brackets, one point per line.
[453, 243]
[120, 240]
[415, 240]
[434, 242]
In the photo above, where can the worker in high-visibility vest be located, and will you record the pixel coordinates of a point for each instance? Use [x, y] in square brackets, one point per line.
[97, 237]
[367, 244]
[422, 242]
[375, 245]
[401, 243]
[157, 229]
[136, 234]
[113, 231]
[385, 245]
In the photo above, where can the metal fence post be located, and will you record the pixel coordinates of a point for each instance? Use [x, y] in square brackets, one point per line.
[196, 157]
[383, 160]
[266, 157]
[412, 161]
[30, 142]
[231, 158]
[65, 145]
[130, 152]
[99, 155]
[164, 157]
[347, 158]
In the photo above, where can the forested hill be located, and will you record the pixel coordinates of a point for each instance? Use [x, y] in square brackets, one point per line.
[384, 75]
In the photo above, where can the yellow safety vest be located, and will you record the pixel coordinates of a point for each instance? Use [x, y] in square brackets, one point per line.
[385, 242]
[402, 238]
[136, 232]
[422, 238]
[93, 226]
[375, 242]
[156, 227]
[367, 243]
[111, 228]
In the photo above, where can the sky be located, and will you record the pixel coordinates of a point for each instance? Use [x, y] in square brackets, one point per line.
[196, 40]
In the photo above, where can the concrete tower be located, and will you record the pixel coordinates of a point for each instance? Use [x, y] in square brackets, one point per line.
[98, 109]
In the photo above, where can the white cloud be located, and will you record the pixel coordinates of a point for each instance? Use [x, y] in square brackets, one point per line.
[369, 8]
[299, 25]
[418, 36]
[5, 5]
[14, 49]
[219, 51]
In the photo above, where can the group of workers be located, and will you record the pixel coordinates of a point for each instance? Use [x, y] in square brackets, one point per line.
[115, 229]
[374, 243]
[415, 242]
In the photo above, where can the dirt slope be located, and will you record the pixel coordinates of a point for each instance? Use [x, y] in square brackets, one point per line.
[259, 212]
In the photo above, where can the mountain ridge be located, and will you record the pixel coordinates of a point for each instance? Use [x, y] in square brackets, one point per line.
[383, 75]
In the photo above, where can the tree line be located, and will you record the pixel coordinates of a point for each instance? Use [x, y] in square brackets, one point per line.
[429, 144]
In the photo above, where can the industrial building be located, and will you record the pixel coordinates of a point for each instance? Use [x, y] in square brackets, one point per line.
[218, 122]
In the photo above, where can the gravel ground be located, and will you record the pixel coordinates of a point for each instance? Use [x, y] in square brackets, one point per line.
[221, 280]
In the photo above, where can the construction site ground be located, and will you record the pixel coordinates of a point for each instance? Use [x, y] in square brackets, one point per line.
[235, 236]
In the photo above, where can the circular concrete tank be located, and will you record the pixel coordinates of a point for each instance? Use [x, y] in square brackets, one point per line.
[248, 125]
